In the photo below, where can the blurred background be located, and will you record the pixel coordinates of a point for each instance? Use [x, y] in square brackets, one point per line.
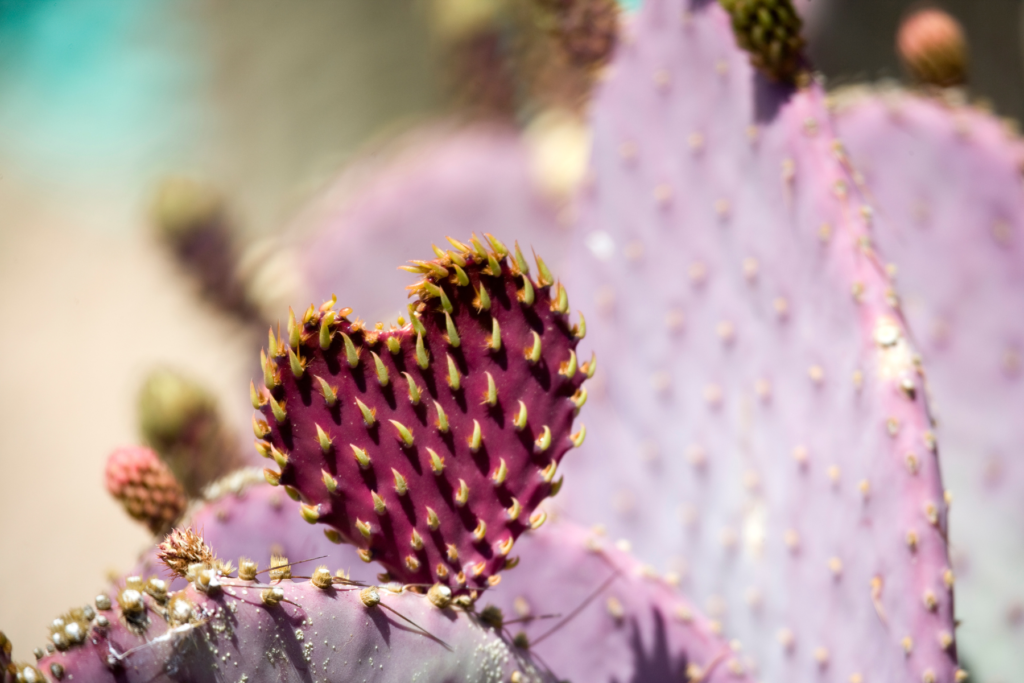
[165, 167]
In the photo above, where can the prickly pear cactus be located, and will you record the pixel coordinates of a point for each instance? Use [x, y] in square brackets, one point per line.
[591, 596]
[180, 419]
[944, 180]
[380, 212]
[251, 627]
[759, 425]
[145, 487]
[593, 613]
[431, 444]
[243, 516]
[191, 219]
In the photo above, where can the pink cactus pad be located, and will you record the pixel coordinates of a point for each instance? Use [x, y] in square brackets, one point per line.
[944, 180]
[609, 617]
[223, 628]
[245, 517]
[429, 446]
[761, 427]
[145, 487]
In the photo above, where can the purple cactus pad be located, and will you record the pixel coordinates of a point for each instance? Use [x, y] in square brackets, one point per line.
[593, 613]
[944, 180]
[429, 446]
[761, 425]
[223, 628]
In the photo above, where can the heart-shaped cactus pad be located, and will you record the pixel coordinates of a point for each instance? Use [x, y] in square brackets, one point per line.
[430, 445]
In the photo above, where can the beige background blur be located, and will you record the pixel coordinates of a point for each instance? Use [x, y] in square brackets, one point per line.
[98, 101]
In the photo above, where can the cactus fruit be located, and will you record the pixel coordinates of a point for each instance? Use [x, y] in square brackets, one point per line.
[586, 30]
[243, 516]
[592, 613]
[249, 281]
[769, 30]
[932, 46]
[433, 186]
[945, 179]
[190, 218]
[509, 59]
[8, 672]
[761, 424]
[480, 76]
[181, 421]
[252, 628]
[430, 446]
[141, 482]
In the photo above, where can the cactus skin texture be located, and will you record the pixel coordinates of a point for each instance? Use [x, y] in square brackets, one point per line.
[931, 44]
[769, 30]
[429, 446]
[145, 487]
[637, 628]
[633, 625]
[243, 516]
[234, 629]
[441, 183]
[759, 424]
[944, 179]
